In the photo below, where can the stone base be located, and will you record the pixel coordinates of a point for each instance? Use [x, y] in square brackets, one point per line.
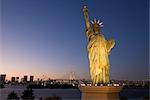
[100, 92]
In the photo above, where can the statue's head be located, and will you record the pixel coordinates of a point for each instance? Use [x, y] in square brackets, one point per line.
[96, 25]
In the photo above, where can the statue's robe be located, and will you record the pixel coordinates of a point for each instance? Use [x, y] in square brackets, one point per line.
[98, 52]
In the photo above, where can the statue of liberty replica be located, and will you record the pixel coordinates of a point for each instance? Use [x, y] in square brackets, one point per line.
[98, 50]
[98, 53]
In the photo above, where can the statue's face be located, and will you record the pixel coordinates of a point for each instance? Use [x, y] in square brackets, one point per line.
[96, 28]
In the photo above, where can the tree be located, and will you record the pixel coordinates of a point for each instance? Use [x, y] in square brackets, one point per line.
[13, 96]
[28, 94]
[2, 86]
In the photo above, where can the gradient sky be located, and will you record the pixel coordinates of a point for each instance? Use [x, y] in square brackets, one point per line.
[47, 37]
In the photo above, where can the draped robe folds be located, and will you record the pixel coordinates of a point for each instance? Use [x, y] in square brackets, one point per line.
[98, 52]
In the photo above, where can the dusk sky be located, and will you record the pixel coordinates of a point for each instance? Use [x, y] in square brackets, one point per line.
[47, 37]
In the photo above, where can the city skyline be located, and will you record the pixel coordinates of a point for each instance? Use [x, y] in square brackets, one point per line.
[48, 37]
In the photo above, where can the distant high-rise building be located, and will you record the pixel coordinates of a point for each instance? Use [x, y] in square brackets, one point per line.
[13, 79]
[17, 79]
[25, 78]
[2, 78]
[22, 80]
[31, 78]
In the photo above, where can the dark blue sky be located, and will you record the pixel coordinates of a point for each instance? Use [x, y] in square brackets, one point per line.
[48, 37]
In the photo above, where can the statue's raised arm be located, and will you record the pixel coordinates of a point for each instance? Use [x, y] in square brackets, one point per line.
[86, 16]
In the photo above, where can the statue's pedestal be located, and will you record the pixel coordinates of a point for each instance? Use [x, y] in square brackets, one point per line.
[100, 92]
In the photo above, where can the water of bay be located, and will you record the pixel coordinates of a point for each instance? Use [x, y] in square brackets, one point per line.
[69, 94]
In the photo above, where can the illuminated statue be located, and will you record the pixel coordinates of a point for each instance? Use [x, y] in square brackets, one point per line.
[98, 51]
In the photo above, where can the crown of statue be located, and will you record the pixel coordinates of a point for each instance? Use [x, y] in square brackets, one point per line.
[97, 22]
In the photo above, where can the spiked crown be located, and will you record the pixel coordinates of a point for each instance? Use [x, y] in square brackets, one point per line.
[98, 22]
[96, 25]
